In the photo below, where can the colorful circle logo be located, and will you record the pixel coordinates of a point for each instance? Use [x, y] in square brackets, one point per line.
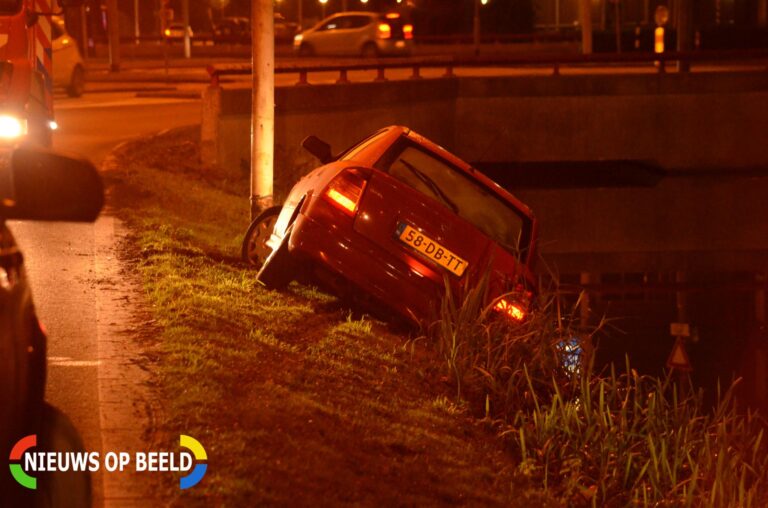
[199, 470]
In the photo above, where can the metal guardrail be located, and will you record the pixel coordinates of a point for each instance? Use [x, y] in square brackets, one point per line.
[660, 60]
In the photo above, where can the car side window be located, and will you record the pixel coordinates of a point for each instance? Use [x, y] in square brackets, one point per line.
[441, 181]
[333, 24]
[358, 21]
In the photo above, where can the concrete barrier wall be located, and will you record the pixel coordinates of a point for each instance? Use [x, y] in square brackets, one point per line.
[680, 121]
[692, 124]
[694, 121]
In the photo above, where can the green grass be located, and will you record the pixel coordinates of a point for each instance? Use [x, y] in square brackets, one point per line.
[296, 399]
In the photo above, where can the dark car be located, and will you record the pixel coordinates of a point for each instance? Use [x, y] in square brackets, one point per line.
[232, 30]
[395, 217]
[34, 185]
[237, 30]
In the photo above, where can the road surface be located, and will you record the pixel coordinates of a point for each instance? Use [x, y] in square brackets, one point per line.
[72, 267]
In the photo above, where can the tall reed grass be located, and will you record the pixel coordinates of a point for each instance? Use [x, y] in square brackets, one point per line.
[596, 439]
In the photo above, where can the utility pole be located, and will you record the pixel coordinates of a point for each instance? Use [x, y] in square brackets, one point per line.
[185, 19]
[585, 18]
[684, 31]
[263, 105]
[113, 25]
[476, 28]
[617, 24]
[762, 13]
[301, 15]
[136, 33]
[84, 33]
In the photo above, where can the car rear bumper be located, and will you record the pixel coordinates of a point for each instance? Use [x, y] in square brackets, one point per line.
[365, 265]
[394, 47]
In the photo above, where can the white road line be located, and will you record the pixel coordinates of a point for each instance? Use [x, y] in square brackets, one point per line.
[65, 361]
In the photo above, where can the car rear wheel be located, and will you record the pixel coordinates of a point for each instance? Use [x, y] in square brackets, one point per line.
[76, 85]
[369, 50]
[255, 249]
[279, 268]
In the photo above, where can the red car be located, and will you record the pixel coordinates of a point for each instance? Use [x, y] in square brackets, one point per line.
[392, 217]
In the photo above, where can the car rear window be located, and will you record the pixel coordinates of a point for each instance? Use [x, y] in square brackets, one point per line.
[450, 186]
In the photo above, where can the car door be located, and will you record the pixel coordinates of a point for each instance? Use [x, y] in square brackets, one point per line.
[323, 39]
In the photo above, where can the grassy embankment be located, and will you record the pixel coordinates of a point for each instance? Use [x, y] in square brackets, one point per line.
[299, 403]
[295, 401]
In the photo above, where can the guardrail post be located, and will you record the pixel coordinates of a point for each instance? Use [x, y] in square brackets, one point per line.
[302, 78]
[662, 68]
[380, 74]
[416, 72]
[448, 71]
[556, 69]
[342, 77]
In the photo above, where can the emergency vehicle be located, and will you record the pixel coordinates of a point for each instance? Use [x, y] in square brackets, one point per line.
[26, 72]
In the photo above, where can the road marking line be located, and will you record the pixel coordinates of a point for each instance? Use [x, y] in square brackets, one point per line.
[65, 361]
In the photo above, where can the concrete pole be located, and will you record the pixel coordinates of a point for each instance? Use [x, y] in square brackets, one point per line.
[585, 17]
[263, 105]
[84, 32]
[476, 28]
[185, 19]
[617, 24]
[684, 31]
[301, 15]
[762, 13]
[113, 26]
[136, 33]
[343, 5]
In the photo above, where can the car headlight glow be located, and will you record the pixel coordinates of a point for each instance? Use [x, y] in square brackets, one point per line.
[298, 38]
[12, 127]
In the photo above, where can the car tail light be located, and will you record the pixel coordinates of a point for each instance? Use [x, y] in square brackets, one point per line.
[385, 31]
[511, 309]
[408, 31]
[345, 190]
[167, 32]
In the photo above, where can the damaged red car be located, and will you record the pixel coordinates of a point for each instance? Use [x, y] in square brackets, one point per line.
[392, 219]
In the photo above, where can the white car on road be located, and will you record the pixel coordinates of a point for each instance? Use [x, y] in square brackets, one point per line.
[366, 34]
[68, 69]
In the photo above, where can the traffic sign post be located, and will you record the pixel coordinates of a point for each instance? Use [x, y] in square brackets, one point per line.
[678, 360]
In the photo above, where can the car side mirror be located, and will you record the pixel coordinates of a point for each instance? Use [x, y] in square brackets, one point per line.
[318, 148]
[37, 184]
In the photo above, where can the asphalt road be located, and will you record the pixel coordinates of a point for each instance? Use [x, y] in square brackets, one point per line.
[67, 263]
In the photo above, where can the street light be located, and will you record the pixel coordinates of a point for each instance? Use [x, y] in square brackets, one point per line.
[322, 3]
[476, 25]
